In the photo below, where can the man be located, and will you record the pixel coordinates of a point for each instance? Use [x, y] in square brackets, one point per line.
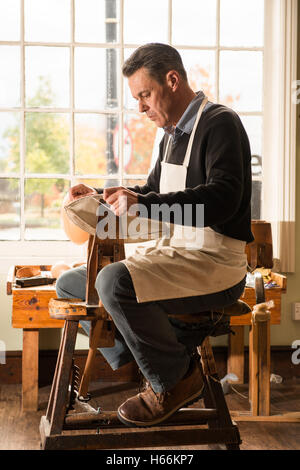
[204, 161]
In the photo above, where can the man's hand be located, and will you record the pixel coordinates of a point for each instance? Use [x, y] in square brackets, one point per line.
[80, 190]
[120, 199]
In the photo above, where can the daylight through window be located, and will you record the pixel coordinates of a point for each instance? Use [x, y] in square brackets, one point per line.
[66, 114]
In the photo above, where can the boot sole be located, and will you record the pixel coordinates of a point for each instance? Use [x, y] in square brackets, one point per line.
[131, 423]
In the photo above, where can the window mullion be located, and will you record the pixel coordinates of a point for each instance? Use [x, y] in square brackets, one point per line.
[217, 56]
[121, 116]
[66, 44]
[64, 110]
[46, 175]
[170, 24]
[22, 124]
[72, 116]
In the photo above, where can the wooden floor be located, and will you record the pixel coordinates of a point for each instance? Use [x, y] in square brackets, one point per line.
[20, 431]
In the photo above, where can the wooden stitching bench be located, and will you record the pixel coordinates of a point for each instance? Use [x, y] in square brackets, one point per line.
[212, 425]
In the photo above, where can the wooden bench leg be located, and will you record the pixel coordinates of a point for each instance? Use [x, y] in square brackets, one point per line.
[60, 387]
[253, 370]
[235, 362]
[86, 376]
[259, 368]
[214, 396]
[30, 370]
[54, 381]
[264, 368]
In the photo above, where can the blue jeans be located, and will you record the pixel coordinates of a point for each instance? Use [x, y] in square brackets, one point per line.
[160, 345]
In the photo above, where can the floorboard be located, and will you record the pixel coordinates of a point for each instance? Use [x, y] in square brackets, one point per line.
[20, 431]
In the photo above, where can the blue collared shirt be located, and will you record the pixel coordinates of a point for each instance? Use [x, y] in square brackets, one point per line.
[186, 122]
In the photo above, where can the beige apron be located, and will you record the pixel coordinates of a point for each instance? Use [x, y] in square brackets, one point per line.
[193, 261]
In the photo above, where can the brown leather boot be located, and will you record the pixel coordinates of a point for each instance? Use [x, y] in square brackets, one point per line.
[149, 408]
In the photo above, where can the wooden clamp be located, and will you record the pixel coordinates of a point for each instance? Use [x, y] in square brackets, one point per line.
[261, 312]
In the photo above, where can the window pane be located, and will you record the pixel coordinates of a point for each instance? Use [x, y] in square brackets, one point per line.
[145, 22]
[43, 202]
[256, 200]
[139, 137]
[131, 183]
[96, 78]
[9, 20]
[47, 20]
[94, 149]
[129, 101]
[194, 22]
[47, 143]
[99, 183]
[200, 68]
[241, 82]
[96, 21]
[242, 23]
[9, 76]
[253, 126]
[9, 209]
[94, 183]
[47, 76]
[9, 142]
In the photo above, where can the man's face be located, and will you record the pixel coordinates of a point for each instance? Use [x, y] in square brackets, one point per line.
[154, 99]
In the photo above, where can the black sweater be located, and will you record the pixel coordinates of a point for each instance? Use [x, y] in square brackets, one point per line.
[218, 176]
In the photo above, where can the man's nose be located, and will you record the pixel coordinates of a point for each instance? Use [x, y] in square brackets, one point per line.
[143, 107]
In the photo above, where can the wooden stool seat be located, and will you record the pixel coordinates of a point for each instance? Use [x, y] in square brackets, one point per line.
[236, 309]
[76, 309]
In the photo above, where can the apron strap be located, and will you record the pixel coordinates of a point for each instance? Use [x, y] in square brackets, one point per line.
[191, 139]
[166, 148]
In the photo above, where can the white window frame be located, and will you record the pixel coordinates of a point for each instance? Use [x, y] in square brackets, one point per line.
[278, 201]
[279, 147]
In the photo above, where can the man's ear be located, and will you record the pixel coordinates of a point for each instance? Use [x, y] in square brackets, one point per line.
[173, 79]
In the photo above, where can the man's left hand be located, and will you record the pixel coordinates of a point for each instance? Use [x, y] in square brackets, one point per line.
[120, 199]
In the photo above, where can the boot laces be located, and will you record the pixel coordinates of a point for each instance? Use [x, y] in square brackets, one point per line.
[161, 396]
[144, 384]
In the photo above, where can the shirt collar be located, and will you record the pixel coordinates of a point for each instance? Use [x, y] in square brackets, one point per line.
[187, 120]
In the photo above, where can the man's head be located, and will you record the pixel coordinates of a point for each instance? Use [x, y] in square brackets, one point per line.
[158, 80]
[158, 59]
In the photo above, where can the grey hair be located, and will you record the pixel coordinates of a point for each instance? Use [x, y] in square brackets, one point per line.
[158, 59]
